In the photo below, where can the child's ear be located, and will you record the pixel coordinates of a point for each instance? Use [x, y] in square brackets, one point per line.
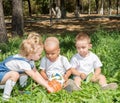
[90, 46]
[59, 50]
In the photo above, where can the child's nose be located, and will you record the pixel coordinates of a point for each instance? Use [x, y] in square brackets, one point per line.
[49, 55]
[80, 49]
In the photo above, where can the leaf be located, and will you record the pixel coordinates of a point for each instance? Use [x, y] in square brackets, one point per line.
[89, 77]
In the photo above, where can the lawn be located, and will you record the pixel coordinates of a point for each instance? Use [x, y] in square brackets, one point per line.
[105, 44]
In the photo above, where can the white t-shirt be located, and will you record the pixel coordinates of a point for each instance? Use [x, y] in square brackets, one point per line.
[86, 64]
[19, 65]
[60, 66]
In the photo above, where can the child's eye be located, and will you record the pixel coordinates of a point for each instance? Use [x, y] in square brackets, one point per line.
[78, 47]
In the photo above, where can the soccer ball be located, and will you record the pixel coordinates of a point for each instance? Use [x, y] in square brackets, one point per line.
[57, 77]
[55, 85]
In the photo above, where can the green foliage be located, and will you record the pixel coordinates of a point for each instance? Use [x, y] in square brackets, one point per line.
[10, 48]
[7, 6]
[42, 6]
[70, 5]
[105, 44]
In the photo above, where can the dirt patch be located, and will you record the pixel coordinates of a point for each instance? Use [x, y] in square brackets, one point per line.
[41, 24]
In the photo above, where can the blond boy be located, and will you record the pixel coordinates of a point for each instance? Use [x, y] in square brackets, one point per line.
[86, 62]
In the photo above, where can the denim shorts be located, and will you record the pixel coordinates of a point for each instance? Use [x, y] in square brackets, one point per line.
[2, 74]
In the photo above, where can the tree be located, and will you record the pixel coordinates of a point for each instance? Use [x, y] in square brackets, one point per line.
[63, 10]
[102, 9]
[117, 6]
[109, 7]
[97, 5]
[17, 18]
[89, 7]
[29, 6]
[77, 8]
[3, 33]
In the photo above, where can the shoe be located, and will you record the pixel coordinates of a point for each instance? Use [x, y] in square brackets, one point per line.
[71, 86]
[5, 99]
[111, 86]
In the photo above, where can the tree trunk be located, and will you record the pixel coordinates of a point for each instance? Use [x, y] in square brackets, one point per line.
[77, 8]
[29, 6]
[102, 10]
[58, 3]
[82, 11]
[97, 5]
[80, 5]
[117, 5]
[109, 7]
[63, 10]
[17, 18]
[50, 12]
[89, 6]
[3, 33]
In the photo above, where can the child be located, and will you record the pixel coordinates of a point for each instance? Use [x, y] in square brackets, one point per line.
[87, 62]
[54, 64]
[36, 38]
[13, 66]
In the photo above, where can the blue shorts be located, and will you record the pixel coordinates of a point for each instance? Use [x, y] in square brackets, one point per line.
[2, 74]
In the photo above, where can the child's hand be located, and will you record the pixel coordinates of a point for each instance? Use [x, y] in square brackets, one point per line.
[56, 86]
[83, 76]
[34, 69]
[94, 78]
[65, 78]
[50, 89]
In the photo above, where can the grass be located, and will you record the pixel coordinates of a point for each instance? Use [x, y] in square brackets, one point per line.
[105, 44]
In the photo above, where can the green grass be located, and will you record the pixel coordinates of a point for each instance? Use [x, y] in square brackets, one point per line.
[105, 44]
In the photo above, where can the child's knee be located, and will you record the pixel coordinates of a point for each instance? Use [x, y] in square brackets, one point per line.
[15, 75]
[77, 79]
[83, 76]
[102, 77]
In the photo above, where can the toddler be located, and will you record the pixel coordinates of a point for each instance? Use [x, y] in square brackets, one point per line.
[86, 62]
[54, 65]
[12, 67]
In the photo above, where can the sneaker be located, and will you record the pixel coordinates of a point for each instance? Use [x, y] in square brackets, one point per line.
[71, 86]
[5, 99]
[111, 86]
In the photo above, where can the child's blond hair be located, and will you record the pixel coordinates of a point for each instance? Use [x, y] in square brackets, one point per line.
[29, 47]
[35, 37]
[83, 36]
[51, 41]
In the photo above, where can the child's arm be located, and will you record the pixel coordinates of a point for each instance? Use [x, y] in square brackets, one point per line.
[43, 74]
[96, 74]
[67, 74]
[35, 75]
[75, 72]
